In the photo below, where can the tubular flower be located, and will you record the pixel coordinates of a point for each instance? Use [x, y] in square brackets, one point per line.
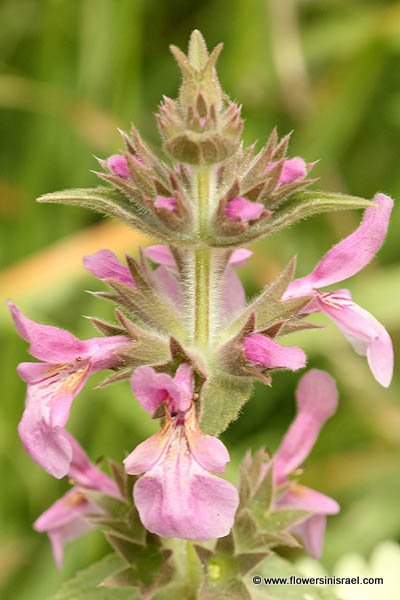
[263, 350]
[368, 337]
[316, 399]
[54, 383]
[66, 519]
[177, 496]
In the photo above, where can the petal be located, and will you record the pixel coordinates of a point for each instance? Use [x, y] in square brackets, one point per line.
[239, 257]
[65, 521]
[316, 398]
[312, 533]
[152, 388]
[102, 352]
[208, 451]
[292, 170]
[47, 411]
[46, 342]
[148, 453]
[36, 372]
[185, 383]
[161, 255]
[368, 337]
[169, 285]
[64, 510]
[168, 203]
[178, 498]
[241, 209]
[86, 474]
[233, 296]
[118, 165]
[105, 265]
[47, 446]
[351, 254]
[304, 498]
[264, 351]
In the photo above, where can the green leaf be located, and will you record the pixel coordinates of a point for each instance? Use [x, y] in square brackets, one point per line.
[268, 307]
[261, 500]
[222, 397]
[85, 585]
[301, 206]
[279, 520]
[113, 203]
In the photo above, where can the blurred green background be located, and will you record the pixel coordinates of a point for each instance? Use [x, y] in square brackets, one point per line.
[71, 72]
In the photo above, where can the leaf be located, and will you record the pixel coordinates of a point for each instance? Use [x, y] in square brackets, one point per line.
[279, 520]
[222, 397]
[301, 206]
[262, 499]
[113, 203]
[268, 308]
[85, 585]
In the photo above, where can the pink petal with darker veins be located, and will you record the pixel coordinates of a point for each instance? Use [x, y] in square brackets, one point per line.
[316, 397]
[104, 265]
[264, 351]
[241, 209]
[178, 498]
[351, 254]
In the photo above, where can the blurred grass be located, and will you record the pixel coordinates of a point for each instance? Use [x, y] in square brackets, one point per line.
[70, 73]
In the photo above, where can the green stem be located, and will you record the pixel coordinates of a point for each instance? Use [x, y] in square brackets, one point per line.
[202, 259]
[202, 296]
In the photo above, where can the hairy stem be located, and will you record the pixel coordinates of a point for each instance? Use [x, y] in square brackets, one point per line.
[203, 196]
[202, 261]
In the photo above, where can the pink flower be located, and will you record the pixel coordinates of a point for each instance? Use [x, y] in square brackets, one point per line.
[177, 496]
[293, 169]
[368, 337]
[54, 383]
[105, 265]
[263, 350]
[241, 209]
[316, 398]
[233, 297]
[66, 519]
[118, 165]
[169, 203]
